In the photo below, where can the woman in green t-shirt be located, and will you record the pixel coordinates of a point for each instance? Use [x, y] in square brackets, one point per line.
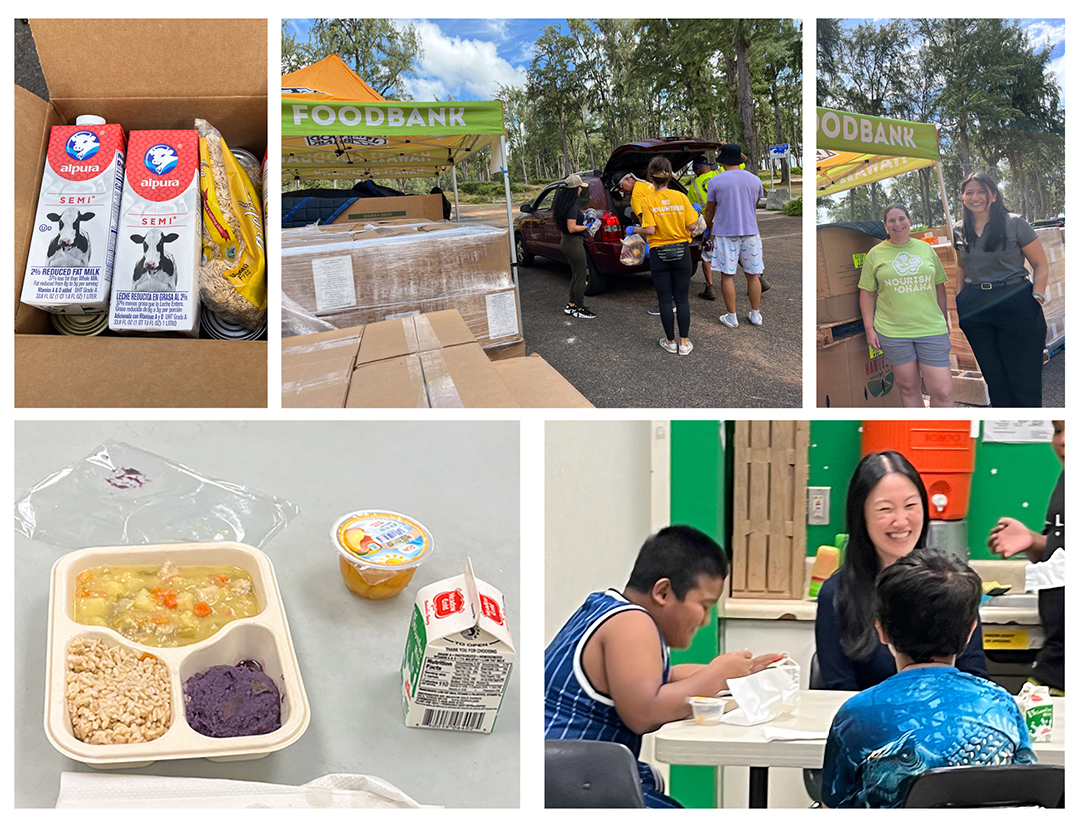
[905, 312]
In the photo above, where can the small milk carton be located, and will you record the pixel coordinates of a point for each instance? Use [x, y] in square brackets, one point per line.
[69, 269]
[1036, 705]
[458, 656]
[158, 252]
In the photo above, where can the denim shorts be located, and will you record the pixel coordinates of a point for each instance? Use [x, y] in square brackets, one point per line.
[933, 351]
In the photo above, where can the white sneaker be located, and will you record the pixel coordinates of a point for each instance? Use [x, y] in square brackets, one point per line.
[729, 320]
[755, 317]
[671, 347]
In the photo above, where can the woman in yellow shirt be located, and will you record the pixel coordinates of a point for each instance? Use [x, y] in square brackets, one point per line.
[669, 222]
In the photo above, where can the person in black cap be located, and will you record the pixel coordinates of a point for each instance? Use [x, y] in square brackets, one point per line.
[730, 212]
[569, 218]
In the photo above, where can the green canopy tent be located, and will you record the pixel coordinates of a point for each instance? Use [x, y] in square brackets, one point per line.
[857, 149]
[325, 137]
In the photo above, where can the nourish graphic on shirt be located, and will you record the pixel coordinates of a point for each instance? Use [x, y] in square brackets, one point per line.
[907, 265]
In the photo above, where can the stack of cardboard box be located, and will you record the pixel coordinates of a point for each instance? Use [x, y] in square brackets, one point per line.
[425, 361]
[355, 274]
[847, 374]
[1052, 240]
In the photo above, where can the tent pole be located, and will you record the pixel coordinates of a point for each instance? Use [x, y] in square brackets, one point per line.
[457, 208]
[514, 272]
[944, 200]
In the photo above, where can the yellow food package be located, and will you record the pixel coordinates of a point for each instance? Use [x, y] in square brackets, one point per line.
[233, 278]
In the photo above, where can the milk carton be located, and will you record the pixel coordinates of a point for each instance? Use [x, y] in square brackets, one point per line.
[458, 656]
[69, 270]
[159, 237]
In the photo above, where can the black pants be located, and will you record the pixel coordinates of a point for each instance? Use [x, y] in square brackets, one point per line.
[1006, 330]
[572, 246]
[671, 285]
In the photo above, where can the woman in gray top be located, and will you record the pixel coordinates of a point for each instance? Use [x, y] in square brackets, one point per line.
[999, 307]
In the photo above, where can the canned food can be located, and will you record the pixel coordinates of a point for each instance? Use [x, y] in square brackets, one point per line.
[248, 161]
[219, 328]
[80, 325]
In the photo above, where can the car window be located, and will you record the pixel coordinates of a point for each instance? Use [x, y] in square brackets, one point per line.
[545, 200]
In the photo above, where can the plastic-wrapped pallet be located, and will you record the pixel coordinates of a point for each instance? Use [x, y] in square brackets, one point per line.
[404, 266]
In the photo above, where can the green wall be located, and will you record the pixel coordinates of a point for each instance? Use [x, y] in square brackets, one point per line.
[697, 498]
[1006, 476]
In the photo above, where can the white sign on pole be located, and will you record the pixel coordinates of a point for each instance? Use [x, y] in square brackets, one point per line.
[780, 152]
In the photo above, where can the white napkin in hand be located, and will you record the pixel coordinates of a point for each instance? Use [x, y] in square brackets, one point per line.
[97, 790]
[765, 695]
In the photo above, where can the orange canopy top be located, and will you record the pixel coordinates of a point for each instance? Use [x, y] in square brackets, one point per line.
[330, 76]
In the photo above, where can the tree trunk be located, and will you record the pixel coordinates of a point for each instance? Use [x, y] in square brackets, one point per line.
[745, 97]
[587, 137]
[567, 164]
[964, 148]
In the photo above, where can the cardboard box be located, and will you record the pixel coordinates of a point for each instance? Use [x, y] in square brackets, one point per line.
[423, 207]
[459, 376]
[316, 368]
[969, 387]
[847, 377]
[458, 656]
[491, 314]
[413, 335]
[138, 89]
[397, 267]
[840, 261]
[535, 384]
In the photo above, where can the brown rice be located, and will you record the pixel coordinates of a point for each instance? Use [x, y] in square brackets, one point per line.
[114, 696]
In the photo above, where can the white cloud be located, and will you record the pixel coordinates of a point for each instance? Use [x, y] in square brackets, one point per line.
[1044, 30]
[471, 67]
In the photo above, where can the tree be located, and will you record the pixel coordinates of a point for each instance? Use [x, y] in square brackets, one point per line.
[376, 49]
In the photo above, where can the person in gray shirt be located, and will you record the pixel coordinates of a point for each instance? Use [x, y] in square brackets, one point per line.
[999, 307]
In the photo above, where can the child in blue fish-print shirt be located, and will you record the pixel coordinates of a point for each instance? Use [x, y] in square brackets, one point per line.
[930, 714]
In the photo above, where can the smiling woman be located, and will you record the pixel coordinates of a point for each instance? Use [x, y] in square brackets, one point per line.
[887, 518]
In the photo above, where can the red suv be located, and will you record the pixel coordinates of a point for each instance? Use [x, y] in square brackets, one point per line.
[535, 231]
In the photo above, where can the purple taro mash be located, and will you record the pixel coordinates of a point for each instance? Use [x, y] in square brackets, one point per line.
[227, 701]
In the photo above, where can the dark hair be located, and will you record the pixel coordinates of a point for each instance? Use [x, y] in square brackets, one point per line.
[564, 198]
[998, 214]
[885, 215]
[927, 601]
[679, 553]
[659, 170]
[854, 599]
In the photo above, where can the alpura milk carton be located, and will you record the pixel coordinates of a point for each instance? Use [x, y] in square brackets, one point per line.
[458, 656]
[69, 268]
[158, 250]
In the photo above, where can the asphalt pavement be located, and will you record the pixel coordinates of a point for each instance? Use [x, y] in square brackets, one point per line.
[615, 361]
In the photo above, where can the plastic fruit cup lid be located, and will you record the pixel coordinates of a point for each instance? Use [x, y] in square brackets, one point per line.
[381, 539]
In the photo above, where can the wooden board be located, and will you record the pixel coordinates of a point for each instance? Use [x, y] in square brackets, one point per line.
[769, 535]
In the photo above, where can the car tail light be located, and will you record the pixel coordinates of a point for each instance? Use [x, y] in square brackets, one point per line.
[611, 226]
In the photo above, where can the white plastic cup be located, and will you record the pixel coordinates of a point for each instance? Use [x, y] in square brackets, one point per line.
[706, 710]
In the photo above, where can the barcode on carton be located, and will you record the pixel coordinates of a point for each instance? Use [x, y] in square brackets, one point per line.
[453, 720]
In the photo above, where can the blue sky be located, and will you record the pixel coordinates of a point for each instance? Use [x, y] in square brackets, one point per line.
[467, 58]
[1039, 30]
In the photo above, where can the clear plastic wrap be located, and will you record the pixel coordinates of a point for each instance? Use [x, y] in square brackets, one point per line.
[296, 320]
[330, 272]
[122, 495]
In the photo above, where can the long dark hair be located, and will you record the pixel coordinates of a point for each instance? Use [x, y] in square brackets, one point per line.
[564, 200]
[855, 599]
[998, 214]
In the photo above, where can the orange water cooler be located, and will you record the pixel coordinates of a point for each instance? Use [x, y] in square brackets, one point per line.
[943, 453]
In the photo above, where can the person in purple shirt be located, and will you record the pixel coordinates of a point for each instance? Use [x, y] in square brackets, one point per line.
[887, 518]
[730, 213]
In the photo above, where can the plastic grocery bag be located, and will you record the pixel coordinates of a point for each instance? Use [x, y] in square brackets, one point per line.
[765, 695]
[632, 249]
[122, 495]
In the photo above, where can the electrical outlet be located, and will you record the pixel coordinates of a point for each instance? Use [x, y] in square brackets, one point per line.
[817, 505]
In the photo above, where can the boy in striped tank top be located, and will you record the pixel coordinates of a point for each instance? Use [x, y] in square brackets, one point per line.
[607, 674]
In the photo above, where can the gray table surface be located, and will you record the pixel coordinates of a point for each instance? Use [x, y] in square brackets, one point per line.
[461, 479]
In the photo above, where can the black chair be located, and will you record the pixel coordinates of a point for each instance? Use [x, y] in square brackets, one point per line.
[988, 786]
[582, 773]
[812, 777]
